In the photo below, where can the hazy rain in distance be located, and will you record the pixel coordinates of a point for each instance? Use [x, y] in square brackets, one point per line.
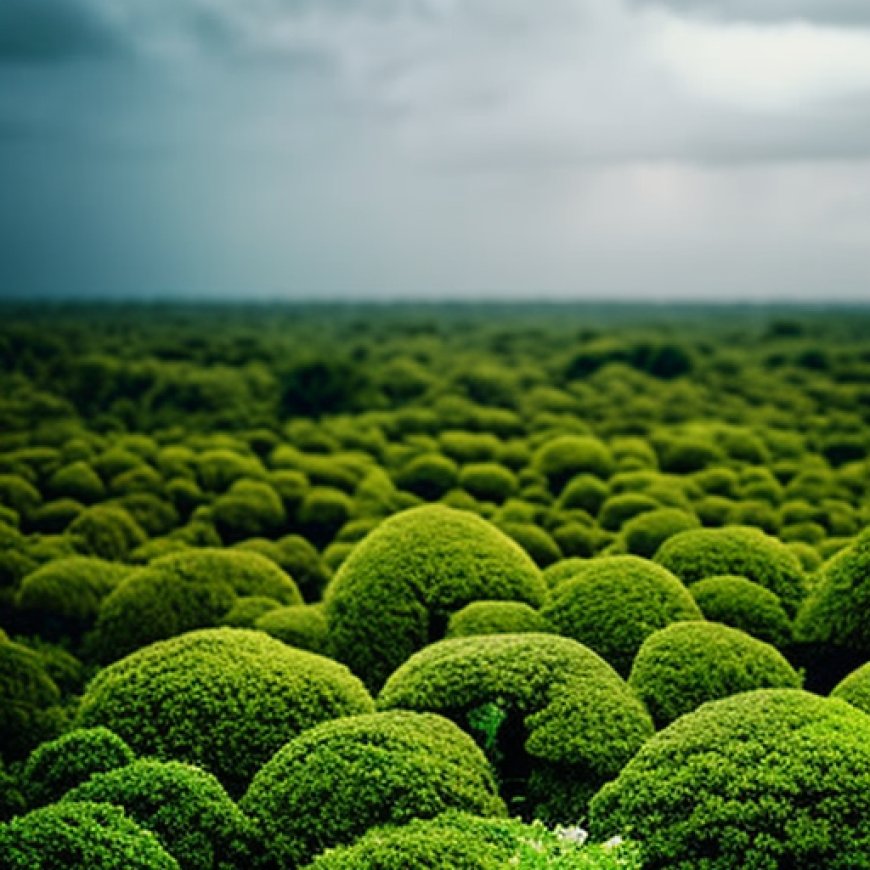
[390, 148]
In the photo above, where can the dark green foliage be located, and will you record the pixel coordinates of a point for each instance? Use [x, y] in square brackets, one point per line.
[562, 458]
[770, 778]
[186, 808]
[80, 836]
[488, 481]
[77, 481]
[535, 541]
[323, 511]
[30, 700]
[564, 570]
[321, 385]
[183, 591]
[613, 604]
[61, 764]
[645, 533]
[248, 509]
[299, 625]
[429, 476]
[12, 801]
[619, 509]
[742, 604]
[576, 539]
[218, 469]
[397, 589]
[19, 494]
[494, 617]
[586, 492]
[224, 699]
[247, 610]
[298, 558]
[838, 609]
[555, 719]
[106, 531]
[154, 514]
[682, 666]
[742, 551]
[331, 784]
[855, 688]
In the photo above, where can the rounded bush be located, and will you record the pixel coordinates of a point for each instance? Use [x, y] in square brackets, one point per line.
[250, 508]
[686, 664]
[299, 625]
[855, 688]
[488, 481]
[225, 699]
[323, 511]
[645, 533]
[53, 517]
[769, 778]
[63, 597]
[80, 836]
[186, 808]
[428, 476]
[247, 610]
[61, 764]
[619, 509]
[584, 492]
[564, 570]
[738, 550]
[30, 701]
[535, 541]
[331, 784]
[19, 494]
[742, 604]
[77, 481]
[396, 590]
[614, 603]
[218, 469]
[106, 531]
[297, 557]
[836, 610]
[183, 591]
[12, 801]
[576, 539]
[553, 717]
[566, 456]
[495, 617]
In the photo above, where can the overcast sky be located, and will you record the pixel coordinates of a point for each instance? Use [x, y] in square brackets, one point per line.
[712, 149]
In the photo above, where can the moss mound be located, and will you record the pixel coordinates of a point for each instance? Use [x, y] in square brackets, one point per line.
[300, 625]
[186, 808]
[613, 604]
[59, 765]
[554, 718]
[855, 688]
[397, 589]
[770, 778]
[687, 664]
[106, 531]
[645, 533]
[80, 836]
[738, 550]
[742, 604]
[183, 591]
[566, 456]
[225, 699]
[495, 617]
[334, 782]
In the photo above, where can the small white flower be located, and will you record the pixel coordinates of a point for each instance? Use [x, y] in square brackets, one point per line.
[613, 842]
[574, 834]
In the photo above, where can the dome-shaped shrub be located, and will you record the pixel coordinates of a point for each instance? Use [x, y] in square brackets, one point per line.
[535, 541]
[397, 589]
[687, 664]
[30, 710]
[248, 509]
[619, 509]
[12, 801]
[331, 784]
[646, 532]
[745, 552]
[61, 764]
[584, 492]
[19, 494]
[300, 625]
[106, 531]
[488, 481]
[225, 699]
[554, 718]
[613, 604]
[248, 609]
[429, 476]
[80, 836]
[297, 557]
[566, 456]
[218, 469]
[836, 612]
[186, 808]
[53, 517]
[495, 617]
[564, 570]
[63, 597]
[323, 511]
[770, 778]
[576, 539]
[154, 514]
[183, 591]
[742, 604]
[855, 688]
[77, 481]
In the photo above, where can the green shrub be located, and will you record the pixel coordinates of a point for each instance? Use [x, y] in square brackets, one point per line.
[855, 688]
[808, 556]
[61, 764]
[114, 461]
[742, 604]
[12, 802]
[713, 510]
[185, 495]
[535, 541]
[566, 456]
[225, 699]
[769, 778]
[106, 531]
[154, 514]
[249, 509]
[686, 664]
[218, 469]
[20, 495]
[137, 480]
[77, 481]
[836, 611]
[554, 718]
[585, 492]
[186, 808]
[612, 604]
[80, 836]
[299, 559]
[54, 517]
[756, 513]
[300, 625]
[291, 485]
[397, 589]
[737, 550]
[683, 455]
[494, 617]
[456, 839]
[564, 570]
[331, 784]
[488, 481]
[183, 591]
[471, 446]
[248, 609]
[645, 533]
[429, 476]
[619, 509]
[323, 511]
[30, 700]
[63, 597]
[576, 540]
[718, 480]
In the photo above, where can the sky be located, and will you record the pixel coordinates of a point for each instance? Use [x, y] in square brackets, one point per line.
[389, 149]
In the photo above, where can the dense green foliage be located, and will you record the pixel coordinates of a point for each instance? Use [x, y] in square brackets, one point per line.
[770, 778]
[495, 617]
[855, 688]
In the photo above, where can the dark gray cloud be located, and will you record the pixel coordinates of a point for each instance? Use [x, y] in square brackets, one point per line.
[845, 12]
